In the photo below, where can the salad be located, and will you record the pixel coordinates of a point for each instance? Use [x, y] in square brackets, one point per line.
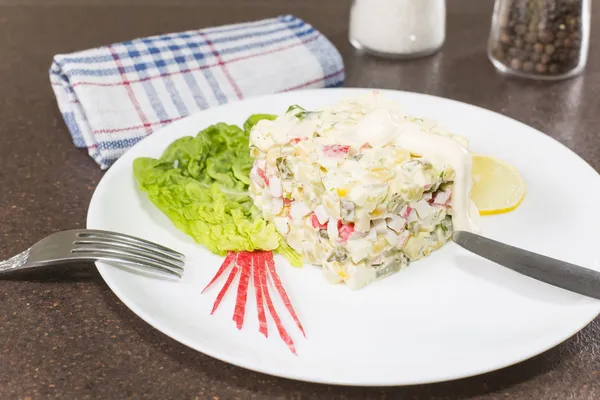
[360, 188]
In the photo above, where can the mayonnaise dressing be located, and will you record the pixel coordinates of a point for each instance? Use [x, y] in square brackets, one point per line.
[380, 128]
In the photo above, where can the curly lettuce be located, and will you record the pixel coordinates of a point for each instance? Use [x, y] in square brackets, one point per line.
[201, 184]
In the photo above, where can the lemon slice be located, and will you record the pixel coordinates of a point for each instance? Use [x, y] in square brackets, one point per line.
[497, 186]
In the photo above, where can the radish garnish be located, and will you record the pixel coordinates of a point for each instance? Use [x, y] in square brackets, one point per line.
[230, 259]
[245, 264]
[259, 288]
[280, 328]
[221, 294]
[282, 293]
[256, 266]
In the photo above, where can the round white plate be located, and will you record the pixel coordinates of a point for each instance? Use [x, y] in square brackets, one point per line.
[448, 316]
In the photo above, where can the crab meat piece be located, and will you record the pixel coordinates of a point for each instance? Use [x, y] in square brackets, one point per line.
[332, 230]
[442, 197]
[380, 225]
[316, 224]
[298, 210]
[402, 238]
[396, 223]
[391, 237]
[321, 214]
[345, 231]
[423, 209]
[276, 206]
[282, 225]
[275, 186]
[359, 249]
[405, 211]
[335, 150]
[263, 175]
[372, 235]
[412, 217]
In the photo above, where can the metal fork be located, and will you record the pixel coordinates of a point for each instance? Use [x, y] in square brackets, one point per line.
[97, 245]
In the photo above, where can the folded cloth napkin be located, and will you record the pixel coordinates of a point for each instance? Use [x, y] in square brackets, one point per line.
[113, 96]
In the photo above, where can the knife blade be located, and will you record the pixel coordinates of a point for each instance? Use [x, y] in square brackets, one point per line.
[558, 273]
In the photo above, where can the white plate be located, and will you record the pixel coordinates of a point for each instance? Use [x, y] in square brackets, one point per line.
[449, 316]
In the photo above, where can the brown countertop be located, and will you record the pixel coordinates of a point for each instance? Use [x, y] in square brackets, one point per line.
[63, 334]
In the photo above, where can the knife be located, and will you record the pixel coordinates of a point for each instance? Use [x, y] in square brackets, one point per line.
[549, 270]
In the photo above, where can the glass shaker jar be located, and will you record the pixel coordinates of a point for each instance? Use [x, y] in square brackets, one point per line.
[398, 28]
[540, 39]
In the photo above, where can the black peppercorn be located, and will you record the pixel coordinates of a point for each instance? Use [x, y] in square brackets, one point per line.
[541, 68]
[538, 36]
[530, 37]
[528, 66]
[515, 63]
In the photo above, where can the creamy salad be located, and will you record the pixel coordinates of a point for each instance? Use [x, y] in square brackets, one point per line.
[361, 188]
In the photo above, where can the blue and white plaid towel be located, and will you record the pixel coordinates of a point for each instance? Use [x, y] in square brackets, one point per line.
[113, 96]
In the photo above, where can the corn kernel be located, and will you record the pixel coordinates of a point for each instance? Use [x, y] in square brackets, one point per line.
[378, 212]
[342, 192]
[380, 244]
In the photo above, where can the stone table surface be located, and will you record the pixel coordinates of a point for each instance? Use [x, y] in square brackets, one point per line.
[63, 334]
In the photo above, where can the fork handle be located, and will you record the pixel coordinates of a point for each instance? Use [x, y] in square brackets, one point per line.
[15, 263]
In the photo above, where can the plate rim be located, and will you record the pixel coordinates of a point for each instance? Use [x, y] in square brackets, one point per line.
[103, 268]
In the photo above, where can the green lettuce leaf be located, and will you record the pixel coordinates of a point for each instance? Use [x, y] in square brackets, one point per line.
[201, 184]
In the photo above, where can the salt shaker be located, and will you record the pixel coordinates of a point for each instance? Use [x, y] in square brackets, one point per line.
[540, 39]
[398, 28]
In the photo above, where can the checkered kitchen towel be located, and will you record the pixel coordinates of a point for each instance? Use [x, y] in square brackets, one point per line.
[113, 96]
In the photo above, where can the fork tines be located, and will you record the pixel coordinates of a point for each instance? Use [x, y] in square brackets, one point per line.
[127, 249]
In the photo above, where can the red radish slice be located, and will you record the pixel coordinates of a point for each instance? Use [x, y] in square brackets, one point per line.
[245, 264]
[230, 259]
[282, 293]
[280, 328]
[256, 266]
[259, 288]
[221, 294]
